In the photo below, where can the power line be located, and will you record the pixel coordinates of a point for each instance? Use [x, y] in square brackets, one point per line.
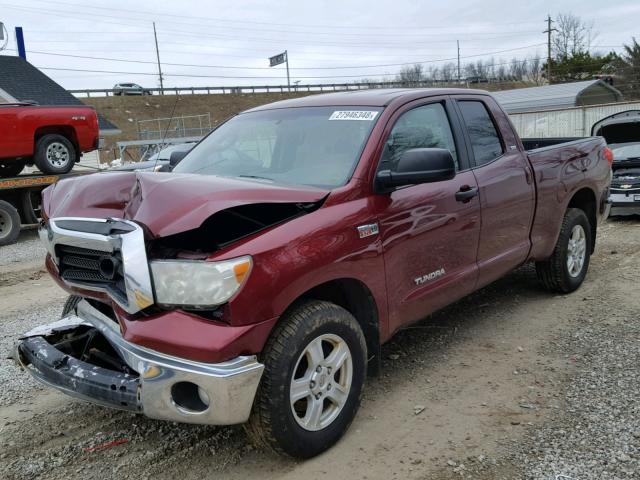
[293, 68]
[220, 20]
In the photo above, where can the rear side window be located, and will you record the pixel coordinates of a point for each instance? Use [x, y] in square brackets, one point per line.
[484, 137]
[423, 127]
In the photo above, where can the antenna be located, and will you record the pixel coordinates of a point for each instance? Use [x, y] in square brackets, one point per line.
[164, 135]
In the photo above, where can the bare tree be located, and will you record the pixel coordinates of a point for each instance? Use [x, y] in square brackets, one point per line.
[411, 74]
[449, 72]
[534, 70]
[501, 72]
[573, 36]
[517, 69]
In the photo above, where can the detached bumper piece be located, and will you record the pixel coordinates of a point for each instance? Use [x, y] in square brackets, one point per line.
[85, 356]
[79, 379]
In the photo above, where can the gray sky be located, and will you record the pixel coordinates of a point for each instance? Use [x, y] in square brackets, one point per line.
[368, 37]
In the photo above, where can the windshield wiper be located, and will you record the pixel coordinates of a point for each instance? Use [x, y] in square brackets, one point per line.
[257, 177]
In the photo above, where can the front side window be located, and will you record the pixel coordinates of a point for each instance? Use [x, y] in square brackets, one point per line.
[423, 127]
[485, 141]
[317, 146]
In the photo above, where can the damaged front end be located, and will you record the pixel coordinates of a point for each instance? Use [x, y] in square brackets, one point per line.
[85, 356]
[149, 335]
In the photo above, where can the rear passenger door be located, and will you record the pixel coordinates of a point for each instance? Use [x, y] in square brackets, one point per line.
[505, 182]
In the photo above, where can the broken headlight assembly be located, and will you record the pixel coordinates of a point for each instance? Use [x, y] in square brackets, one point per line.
[197, 283]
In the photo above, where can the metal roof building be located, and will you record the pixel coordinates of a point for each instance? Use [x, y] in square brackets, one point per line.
[553, 97]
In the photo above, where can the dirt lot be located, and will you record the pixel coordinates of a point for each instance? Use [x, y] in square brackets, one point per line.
[509, 383]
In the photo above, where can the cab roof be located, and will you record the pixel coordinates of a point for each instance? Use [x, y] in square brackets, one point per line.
[376, 97]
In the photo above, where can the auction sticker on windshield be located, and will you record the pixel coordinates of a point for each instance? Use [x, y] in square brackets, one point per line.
[353, 115]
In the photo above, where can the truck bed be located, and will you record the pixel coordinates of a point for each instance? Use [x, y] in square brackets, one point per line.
[559, 165]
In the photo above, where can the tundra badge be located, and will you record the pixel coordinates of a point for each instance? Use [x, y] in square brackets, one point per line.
[429, 276]
[368, 230]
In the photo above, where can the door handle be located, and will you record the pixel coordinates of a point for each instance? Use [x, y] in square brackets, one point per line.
[466, 193]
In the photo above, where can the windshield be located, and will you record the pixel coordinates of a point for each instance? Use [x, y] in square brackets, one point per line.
[317, 146]
[625, 151]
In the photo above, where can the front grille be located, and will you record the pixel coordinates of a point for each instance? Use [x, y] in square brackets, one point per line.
[92, 268]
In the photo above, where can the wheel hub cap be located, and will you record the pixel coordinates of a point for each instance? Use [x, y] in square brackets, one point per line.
[57, 154]
[576, 251]
[321, 382]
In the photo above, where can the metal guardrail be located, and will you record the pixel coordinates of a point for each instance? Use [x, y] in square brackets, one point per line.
[177, 126]
[317, 87]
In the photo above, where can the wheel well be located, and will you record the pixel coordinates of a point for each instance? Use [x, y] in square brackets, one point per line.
[585, 200]
[65, 130]
[356, 298]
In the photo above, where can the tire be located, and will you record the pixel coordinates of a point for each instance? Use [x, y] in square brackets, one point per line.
[287, 356]
[11, 168]
[31, 203]
[70, 305]
[9, 223]
[558, 273]
[55, 154]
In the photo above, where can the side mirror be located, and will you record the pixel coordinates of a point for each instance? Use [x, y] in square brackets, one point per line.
[418, 165]
[176, 157]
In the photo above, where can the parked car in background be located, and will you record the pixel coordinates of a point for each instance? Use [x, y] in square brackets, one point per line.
[52, 138]
[622, 133]
[258, 281]
[130, 89]
[158, 162]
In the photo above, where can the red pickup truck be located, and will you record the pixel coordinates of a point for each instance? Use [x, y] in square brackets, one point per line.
[52, 138]
[259, 279]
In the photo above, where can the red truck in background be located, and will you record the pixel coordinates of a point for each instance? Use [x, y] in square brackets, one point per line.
[259, 279]
[50, 137]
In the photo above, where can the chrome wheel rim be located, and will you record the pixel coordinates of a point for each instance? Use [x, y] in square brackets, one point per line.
[57, 155]
[576, 251]
[6, 224]
[321, 382]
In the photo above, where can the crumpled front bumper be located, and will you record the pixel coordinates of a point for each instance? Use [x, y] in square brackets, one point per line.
[159, 385]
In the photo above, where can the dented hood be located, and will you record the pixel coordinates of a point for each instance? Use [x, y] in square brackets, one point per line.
[165, 203]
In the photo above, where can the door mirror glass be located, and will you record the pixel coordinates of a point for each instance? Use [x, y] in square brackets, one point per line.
[418, 165]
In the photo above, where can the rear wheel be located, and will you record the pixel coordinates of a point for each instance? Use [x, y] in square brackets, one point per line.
[567, 267]
[315, 366]
[9, 223]
[55, 154]
[11, 168]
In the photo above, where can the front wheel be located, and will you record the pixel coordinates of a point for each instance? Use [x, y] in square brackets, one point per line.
[315, 366]
[567, 267]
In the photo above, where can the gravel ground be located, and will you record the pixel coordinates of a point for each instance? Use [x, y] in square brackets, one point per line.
[28, 248]
[14, 384]
[510, 383]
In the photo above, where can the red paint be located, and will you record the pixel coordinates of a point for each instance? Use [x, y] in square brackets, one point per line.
[103, 446]
[515, 218]
[21, 124]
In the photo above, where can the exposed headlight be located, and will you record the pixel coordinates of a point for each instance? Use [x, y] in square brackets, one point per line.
[198, 283]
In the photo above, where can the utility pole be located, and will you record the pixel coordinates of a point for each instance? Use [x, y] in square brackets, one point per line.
[548, 32]
[286, 56]
[155, 36]
[458, 42]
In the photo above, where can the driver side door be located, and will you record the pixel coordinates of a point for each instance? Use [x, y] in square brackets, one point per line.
[429, 232]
